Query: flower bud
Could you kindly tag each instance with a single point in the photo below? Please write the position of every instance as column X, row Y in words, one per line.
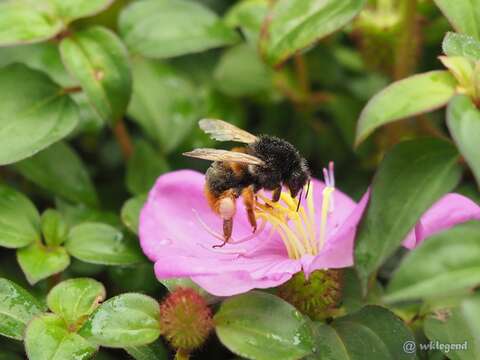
column 185, row 319
column 316, row 296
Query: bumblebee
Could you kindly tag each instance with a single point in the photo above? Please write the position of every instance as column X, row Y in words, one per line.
column 265, row 162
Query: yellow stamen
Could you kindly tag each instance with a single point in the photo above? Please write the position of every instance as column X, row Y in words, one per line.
column 290, row 237
column 309, row 217
column 297, row 229
column 327, row 192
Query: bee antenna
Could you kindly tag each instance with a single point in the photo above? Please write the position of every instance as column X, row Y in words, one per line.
column 299, row 199
column 308, row 189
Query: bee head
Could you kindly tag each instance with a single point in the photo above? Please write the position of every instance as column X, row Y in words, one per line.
column 298, row 178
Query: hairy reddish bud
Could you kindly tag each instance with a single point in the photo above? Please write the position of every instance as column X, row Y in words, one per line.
column 185, row 319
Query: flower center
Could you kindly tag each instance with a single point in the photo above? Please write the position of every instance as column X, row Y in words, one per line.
column 299, row 230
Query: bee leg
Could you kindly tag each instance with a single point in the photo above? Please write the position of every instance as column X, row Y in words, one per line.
column 227, row 232
column 249, row 201
column 276, row 194
column 226, row 207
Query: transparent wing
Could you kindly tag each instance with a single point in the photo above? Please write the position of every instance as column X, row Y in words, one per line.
column 224, row 155
column 222, row 131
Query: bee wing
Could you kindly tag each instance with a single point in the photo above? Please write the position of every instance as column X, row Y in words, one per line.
column 224, row 155
column 222, row 131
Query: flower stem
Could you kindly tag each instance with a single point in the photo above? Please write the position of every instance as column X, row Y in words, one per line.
column 302, row 74
column 72, row 89
column 405, row 59
column 54, row 280
column 123, row 139
column 302, row 95
column 408, row 42
column 66, row 32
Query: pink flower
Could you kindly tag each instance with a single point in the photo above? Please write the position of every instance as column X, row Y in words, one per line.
column 176, row 233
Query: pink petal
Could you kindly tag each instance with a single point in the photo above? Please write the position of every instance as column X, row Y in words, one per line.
column 236, row 283
column 411, row 241
column 258, row 266
column 343, row 207
column 338, row 250
column 171, row 236
column 450, row 210
column 168, row 225
column 225, row 278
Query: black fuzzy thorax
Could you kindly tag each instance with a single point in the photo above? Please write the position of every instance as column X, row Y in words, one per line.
column 279, row 155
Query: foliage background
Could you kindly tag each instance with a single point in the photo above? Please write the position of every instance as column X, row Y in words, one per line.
column 135, row 126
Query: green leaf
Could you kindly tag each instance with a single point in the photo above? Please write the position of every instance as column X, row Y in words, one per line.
column 47, row 338
column 90, row 119
column 98, row 60
column 330, row 345
column 19, row 219
column 413, row 175
column 453, row 330
column 463, row 120
column 30, row 21
column 294, row 25
column 249, row 16
column 99, row 243
column 445, row 263
column 137, row 278
column 470, row 309
column 22, row 22
column 144, row 167
column 54, row 227
column 352, row 295
column 80, row 268
column 412, row 96
column 39, row 262
column 126, row 320
column 74, row 299
column 43, row 113
column 241, row 72
column 153, row 351
column 10, row 355
column 44, row 57
column 17, row 308
column 461, row 45
column 261, row 326
column 131, row 212
column 372, row 333
column 464, row 15
column 163, row 103
column 165, row 28
column 463, row 71
column 69, row 10
column 60, row 161
column 75, row 214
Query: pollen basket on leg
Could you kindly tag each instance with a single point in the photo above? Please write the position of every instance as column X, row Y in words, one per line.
column 226, row 207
